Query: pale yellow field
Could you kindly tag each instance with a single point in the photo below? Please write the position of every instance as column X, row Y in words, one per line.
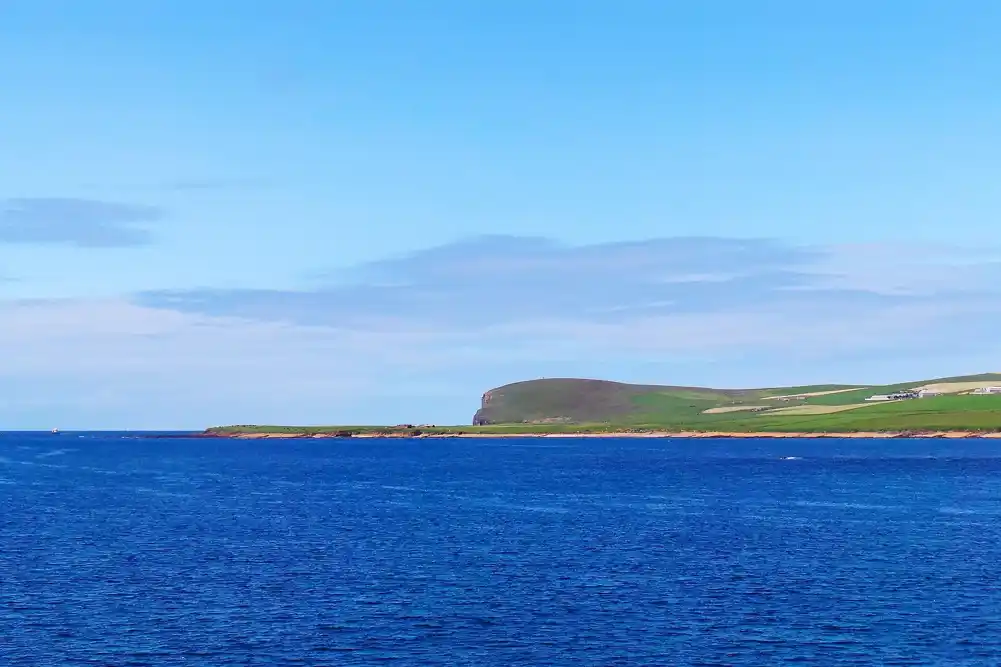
column 734, row 408
column 813, row 393
column 816, row 409
column 956, row 387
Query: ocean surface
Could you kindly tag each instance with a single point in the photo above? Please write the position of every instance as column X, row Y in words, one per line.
column 117, row 550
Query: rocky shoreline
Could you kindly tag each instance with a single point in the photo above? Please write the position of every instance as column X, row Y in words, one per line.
column 622, row 434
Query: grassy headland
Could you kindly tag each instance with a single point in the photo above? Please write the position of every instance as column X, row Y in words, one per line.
column 596, row 407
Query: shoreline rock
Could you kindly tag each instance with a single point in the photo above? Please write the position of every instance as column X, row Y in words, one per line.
column 620, row 434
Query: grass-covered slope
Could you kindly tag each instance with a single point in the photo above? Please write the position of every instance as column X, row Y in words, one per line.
column 564, row 400
column 815, row 408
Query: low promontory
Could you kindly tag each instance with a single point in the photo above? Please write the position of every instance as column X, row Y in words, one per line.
column 962, row 406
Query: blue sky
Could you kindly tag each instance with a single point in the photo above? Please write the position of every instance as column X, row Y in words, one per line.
column 374, row 210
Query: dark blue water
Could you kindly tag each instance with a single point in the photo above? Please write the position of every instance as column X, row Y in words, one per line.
column 117, row 551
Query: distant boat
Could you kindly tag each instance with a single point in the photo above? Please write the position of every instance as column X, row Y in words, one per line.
column 55, row 431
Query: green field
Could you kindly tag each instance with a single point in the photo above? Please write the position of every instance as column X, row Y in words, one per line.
column 573, row 406
column 943, row 413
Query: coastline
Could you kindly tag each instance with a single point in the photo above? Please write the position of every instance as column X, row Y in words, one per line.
column 620, row 434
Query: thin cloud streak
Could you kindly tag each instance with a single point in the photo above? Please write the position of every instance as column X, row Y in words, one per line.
column 84, row 223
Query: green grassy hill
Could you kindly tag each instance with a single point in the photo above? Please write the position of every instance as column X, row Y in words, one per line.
column 567, row 400
column 814, row 408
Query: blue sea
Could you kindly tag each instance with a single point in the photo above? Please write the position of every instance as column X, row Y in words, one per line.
column 119, row 550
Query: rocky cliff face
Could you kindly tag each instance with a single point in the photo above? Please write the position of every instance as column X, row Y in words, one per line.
column 482, row 417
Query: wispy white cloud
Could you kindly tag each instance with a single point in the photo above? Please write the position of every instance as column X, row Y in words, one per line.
column 501, row 280
column 662, row 299
column 907, row 269
column 496, row 280
column 85, row 223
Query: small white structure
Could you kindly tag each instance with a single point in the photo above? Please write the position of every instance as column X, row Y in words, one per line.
column 895, row 396
column 987, row 390
column 928, row 393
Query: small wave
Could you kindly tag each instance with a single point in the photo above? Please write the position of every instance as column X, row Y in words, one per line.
column 959, row 511
column 54, row 452
column 534, row 508
column 33, row 464
column 162, row 493
column 102, row 471
column 850, row 506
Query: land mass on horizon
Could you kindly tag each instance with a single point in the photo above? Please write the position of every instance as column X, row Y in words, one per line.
column 964, row 405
